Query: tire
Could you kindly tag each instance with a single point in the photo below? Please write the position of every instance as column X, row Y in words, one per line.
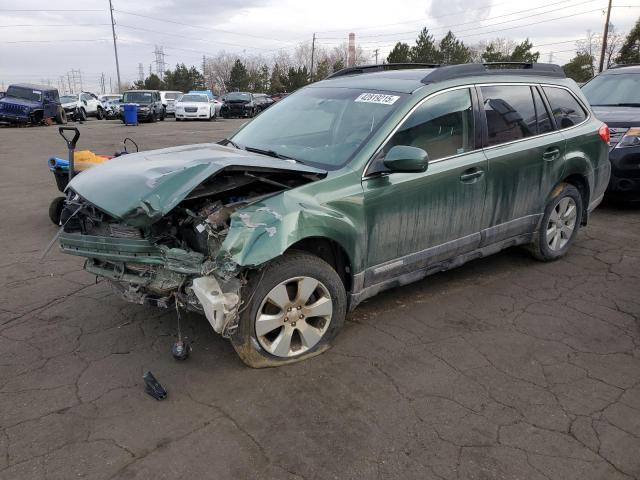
column 61, row 116
column 163, row 114
column 82, row 115
column 178, row 119
column 293, row 269
column 55, row 210
column 99, row 113
column 564, row 210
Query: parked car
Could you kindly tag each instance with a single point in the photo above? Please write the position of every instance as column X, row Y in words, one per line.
column 195, row 106
column 615, row 97
column 35, row 104
column 208, row 93
column 82, row 105
column 2, row 94
column 263, row 101
column 169, row 98
column 217, row 102
column 112, row 109
column 238, row 104
column 368, row 180
column 149, row 105
column 109, row 96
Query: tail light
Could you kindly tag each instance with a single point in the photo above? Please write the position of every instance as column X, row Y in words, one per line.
column 603, row 131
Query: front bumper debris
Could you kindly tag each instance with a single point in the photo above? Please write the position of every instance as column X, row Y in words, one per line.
column 221, row 309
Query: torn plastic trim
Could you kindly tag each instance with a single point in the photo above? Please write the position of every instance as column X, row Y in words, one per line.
column 220, row 308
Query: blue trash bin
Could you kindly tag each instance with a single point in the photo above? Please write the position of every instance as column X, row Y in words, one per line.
column 130, row 114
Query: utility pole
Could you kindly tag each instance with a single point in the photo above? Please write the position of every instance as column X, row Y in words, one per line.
column 115, row 46
column 140, row 73
column 604, row 37
column 550, row 57
column 375, row 52
column 313, row 54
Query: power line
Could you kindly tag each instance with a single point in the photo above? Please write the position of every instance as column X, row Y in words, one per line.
column 188, row 38
column 66, row 40
column 445, row 27
column 48, row 10
column 58, row 25
column 201, row 27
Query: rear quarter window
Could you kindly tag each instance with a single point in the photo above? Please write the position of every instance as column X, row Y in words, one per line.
column 566, row 110
column 510, row 113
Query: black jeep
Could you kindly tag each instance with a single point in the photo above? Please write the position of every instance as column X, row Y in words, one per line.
column 35, row 104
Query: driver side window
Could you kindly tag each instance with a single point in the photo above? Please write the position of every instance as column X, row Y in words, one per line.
column 442, row 126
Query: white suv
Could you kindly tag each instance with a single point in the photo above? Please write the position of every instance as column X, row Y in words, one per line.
column 169, row 98
column 82, row 105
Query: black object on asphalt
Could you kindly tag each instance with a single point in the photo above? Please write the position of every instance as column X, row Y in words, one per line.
column 153, row 388
column 181, row 350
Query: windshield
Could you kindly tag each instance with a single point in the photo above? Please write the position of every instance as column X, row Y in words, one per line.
column 613, row 89
column 24, row 93
column 137, row 97
column 318, row 125
column 106, row 98
column 194, row 98
column 68, row 98
column 171, row 95
column 237, row 96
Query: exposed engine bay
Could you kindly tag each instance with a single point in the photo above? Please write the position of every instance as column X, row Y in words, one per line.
column 177, row 258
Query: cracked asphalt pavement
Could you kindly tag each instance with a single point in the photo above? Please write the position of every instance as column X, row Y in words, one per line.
column 505, row 368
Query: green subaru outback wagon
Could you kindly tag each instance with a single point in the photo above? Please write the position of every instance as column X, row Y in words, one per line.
column 373, row 178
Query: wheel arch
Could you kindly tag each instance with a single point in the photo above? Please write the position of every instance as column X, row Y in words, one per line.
column 331, row 252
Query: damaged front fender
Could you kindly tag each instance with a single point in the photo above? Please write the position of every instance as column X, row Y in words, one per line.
column 265, row 230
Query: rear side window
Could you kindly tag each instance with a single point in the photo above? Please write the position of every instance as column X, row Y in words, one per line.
column 566, row 109
column 544, row 120
column 510, row 113
column 442, row 126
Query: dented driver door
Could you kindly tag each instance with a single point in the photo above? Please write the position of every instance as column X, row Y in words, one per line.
column 416, row 220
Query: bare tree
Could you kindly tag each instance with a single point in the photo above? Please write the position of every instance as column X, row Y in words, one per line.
column 590, row 46
column 219, row 71
column 615, row 40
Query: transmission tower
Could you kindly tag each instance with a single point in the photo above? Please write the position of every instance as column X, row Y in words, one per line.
column 140, row 73
column 159, row 61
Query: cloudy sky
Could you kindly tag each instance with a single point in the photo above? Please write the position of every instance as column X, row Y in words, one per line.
column 40, row 41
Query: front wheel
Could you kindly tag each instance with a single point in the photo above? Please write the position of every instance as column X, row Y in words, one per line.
column 99, row 113
column 61, row 116
column 163, row 115
column 295, row 307
column 559, row 225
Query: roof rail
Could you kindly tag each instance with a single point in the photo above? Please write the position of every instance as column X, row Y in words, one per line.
column 622, row 65
column 494, row 68
column 380, row 67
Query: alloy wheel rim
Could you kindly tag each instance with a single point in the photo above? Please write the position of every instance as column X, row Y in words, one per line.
column 561, row 224
column 293, row 317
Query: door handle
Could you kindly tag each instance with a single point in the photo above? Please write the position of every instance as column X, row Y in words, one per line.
column 471, row 175
column 551, row 154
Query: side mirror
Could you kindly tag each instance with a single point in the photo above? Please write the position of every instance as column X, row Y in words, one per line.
column 403, row 158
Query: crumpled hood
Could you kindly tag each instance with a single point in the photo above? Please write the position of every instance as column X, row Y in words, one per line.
column 618, row 116
column 150, row 184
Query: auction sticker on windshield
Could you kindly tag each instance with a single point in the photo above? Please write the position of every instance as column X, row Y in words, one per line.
column 377, row 98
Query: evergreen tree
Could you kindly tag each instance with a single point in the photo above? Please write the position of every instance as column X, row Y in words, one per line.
column 275, row 82
column 400, row 53
column 183, row 79
column 630, row 50
column 239, row 79
column 453, row 51
column 580, row 67
column 523, row 53
column 338, row 65
column 425, row 49
column 323, row 70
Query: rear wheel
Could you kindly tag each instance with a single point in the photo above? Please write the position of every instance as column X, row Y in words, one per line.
column 559, row 225
column 163, row 114
column 295, row 307
column 100, row 113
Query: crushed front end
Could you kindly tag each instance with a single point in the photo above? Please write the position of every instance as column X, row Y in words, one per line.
column 171, row 260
